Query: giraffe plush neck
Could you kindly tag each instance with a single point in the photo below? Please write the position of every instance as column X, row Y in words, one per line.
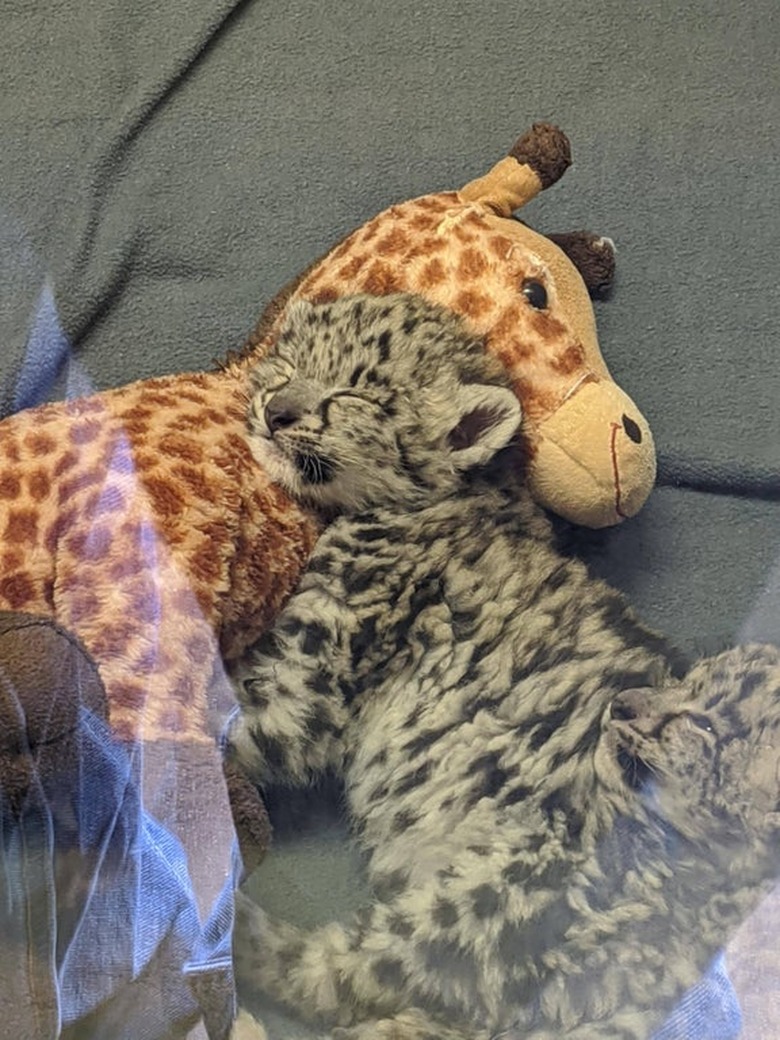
column 588, row 448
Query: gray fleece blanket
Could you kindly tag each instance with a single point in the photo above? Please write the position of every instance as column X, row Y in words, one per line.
column 165, row 168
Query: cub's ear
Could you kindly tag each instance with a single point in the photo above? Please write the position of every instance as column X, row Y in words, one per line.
column 488, row 417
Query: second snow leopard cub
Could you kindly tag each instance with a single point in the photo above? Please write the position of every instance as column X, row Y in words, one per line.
column 556, row 850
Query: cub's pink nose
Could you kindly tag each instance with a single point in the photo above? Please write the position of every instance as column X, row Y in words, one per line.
column 280, row 412
column 631, row 704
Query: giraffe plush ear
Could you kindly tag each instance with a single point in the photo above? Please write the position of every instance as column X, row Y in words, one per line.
column 488, row 418
column 538, row 159
column 592, row 255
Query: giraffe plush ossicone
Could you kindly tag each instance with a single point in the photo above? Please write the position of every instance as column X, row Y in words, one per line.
column 589, row 451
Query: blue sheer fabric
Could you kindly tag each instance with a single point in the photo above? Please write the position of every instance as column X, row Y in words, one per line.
column 94, row 892
column 709, row 1011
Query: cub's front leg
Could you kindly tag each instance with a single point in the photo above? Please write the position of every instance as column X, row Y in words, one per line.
column 292, row 705
column 245, row 1027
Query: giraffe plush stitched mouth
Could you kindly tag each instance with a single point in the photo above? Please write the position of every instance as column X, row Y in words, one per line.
column 589, row 450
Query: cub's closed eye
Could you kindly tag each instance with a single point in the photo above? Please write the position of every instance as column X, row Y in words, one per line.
column 272, row 375
column 352, row 397
column 345, row 403
column 535, row 293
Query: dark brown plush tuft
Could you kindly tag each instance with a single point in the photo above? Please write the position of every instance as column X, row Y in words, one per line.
column 592, row 255
column 546, row 150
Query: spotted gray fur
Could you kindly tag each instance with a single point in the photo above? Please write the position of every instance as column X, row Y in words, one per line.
column 559, row 833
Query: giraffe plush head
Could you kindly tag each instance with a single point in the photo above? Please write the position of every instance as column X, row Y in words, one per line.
column 588, row 449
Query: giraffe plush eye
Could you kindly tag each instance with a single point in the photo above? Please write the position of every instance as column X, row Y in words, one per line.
column 535, row 293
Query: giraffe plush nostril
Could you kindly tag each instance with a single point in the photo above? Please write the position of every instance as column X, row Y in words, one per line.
column 632, row 430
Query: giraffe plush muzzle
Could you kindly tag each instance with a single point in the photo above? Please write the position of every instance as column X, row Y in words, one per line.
column 599, row 442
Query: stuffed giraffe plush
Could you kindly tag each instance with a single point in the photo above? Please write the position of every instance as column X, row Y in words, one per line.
column 138, row 520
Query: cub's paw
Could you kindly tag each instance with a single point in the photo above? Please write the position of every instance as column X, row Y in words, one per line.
column 265, row 950
column 246, row 1027
column 382, row 1029
column 250, row 938
column 408, row 1025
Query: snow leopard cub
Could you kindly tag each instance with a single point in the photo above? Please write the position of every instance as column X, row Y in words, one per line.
column 559, row 834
